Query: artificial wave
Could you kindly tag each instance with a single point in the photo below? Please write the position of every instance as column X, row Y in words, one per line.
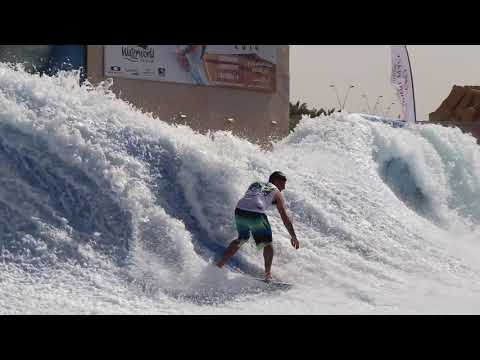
column 106, row 209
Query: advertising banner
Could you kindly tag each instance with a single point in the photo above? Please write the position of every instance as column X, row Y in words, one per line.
column 240, row 66
column 402, row 81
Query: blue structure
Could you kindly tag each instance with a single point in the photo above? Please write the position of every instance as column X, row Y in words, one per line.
column 396, row 123
column 67, row 57
column 46, row 59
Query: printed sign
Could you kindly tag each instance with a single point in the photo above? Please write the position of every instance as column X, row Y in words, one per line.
column 240, row 66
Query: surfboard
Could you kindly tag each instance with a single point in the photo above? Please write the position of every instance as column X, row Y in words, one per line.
column 277, row 284
column 272, row 284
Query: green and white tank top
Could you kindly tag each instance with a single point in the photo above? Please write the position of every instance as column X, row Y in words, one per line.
column 258, row 198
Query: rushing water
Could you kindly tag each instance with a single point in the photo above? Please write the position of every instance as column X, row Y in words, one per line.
column 104, row 209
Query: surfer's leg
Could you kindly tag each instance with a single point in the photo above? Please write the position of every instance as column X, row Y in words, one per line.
column 231, row 250
column 262, row 234
column 243, row 228
column 268, row 256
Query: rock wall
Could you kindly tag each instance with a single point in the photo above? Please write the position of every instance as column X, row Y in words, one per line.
column 461, row 108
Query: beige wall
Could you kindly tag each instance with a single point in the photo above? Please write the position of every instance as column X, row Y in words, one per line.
column 207, row 107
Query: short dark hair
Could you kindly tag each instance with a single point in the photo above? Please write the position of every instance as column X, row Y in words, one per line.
column 277, row 175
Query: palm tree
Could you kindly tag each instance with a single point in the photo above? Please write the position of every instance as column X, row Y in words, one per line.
column 298, row 109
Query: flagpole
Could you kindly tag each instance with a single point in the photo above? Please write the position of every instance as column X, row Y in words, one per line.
column 411, row 80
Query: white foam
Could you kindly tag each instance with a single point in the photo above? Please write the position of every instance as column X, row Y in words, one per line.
column 110, row 174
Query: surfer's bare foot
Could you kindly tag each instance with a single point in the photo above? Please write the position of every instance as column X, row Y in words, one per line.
column 268, row 277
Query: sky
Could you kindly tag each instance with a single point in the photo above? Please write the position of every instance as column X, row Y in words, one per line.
column 435, row 68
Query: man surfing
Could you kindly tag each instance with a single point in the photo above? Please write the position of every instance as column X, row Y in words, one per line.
column 250, row 218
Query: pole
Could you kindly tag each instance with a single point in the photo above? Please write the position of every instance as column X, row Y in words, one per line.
column 376, row 103
column 336, row 93
column 365, row 97
column 346, row 95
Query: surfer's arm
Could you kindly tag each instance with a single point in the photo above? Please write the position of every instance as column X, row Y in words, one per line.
column 279, row 201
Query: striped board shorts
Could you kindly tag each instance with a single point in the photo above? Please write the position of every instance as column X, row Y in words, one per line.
column 255, row 223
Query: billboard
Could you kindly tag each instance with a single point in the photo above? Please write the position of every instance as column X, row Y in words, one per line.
column 239, row 66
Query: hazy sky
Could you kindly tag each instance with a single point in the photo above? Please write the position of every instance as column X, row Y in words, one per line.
column 436, row 68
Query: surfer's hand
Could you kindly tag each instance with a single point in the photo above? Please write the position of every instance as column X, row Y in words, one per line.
column 295, row 243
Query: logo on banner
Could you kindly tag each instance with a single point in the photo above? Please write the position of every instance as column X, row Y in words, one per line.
column 132, row 71
column 115, row 68
column 148, row 72
column 139, row 53
column 246, row 47
column 400, row 79
column 161, row 71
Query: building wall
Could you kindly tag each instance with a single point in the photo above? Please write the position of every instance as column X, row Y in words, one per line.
column 257, row 116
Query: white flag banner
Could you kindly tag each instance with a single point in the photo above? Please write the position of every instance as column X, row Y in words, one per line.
column 402, row 80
